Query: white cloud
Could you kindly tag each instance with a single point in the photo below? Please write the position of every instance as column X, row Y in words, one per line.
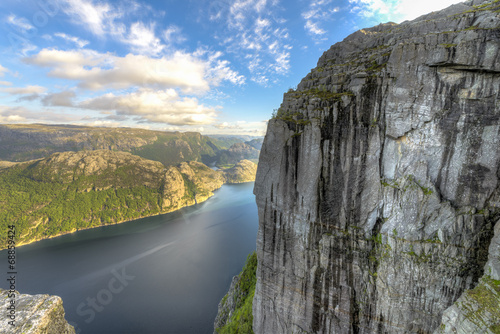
column 24, row 90
column 412, row 9
column 239, row 127
column 155, row 106
column 319, row 13
column 98, row 17
column 313, row 28
column 97, row 71
column 226, row 125
column 20, row 23
column 3, row 70
column 105, row 19
column 173, row 35
column 143, row 39
column 254, row 32
column 62, row 99
column 20, row 43
column 5, row 83
column 397, row 10
column 79, row 42
column 24, row 115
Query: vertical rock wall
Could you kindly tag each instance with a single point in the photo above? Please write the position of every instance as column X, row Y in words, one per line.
column 377, row 183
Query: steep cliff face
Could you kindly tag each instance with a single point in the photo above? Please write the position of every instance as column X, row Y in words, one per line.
column 377, row 183
column 34, row 314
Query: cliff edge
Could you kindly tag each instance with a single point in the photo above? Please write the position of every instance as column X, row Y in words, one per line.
column 378, row 183
column 34, row 314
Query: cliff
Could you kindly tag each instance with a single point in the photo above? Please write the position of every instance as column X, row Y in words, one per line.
column 38, row 314
column 377, row 184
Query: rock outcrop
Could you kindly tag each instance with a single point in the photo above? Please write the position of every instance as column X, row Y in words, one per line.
column 243, row 171
column 22, row 142
column 69, row 191
column 377, row 184
column 478, row 310
column 34, row 314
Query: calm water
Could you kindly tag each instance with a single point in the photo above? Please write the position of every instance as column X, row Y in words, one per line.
column 163, row 274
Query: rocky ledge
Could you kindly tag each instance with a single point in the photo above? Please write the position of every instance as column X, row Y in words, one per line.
column 34, row 314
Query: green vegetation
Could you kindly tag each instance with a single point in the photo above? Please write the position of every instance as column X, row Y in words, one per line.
column 374, row 66
column 190, row 187
column 243, row 171
column 174, row 148
column 447, row 45
column 223, row 142
column 44, row 208
column 24, row 142
column 493, row 6
column 241, row 319
column 409, row 182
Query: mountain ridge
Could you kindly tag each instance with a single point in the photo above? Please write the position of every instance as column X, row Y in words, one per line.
column 22, row 142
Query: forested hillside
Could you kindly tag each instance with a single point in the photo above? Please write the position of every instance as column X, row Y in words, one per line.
column 77, row 190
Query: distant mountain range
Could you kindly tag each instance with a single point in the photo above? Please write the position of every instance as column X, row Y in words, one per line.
column 23, row 142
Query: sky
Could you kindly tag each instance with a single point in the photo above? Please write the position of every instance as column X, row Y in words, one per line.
column 211, row 66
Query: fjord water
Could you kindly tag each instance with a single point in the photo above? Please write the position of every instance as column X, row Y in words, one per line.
column 161, row 274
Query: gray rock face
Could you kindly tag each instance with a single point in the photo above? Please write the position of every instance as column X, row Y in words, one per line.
column 35, row 314
column 377, row 183
column 227, row 305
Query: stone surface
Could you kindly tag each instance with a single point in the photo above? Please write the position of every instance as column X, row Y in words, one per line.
column 35, row 314
column 377, row 183
column 227, row 305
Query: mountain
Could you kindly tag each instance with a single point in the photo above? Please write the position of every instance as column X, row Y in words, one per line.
column 70, row 191
column 378, row 184
column 225, row 141
column 21, row 142
column 243, row 171
column 24, row 142
column 255, row 143
column 237, row 152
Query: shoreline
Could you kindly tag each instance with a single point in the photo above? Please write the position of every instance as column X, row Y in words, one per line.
column 196, row 201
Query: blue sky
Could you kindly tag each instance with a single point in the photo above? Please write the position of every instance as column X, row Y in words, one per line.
column 217, row 67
